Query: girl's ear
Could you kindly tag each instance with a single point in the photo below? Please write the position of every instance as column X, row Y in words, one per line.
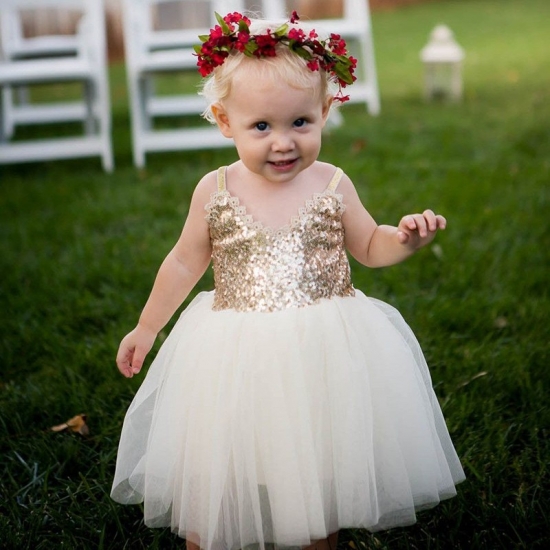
column 222, row 120
column 326, row 108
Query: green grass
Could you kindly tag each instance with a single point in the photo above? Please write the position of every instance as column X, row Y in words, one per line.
column 80, row 250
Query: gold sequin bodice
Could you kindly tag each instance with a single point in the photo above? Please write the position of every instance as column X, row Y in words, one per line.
column 259, row 269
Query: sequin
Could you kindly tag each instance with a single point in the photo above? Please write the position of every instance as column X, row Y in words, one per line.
column 259, row 269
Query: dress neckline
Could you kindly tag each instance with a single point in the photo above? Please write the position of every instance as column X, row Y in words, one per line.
column 294, row 221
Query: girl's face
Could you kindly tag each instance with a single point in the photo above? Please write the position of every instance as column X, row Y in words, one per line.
column 276, row 128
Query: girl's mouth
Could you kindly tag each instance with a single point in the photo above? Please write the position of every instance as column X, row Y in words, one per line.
column 281, row 164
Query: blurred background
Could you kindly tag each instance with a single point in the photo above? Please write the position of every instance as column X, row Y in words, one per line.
column 82, row 238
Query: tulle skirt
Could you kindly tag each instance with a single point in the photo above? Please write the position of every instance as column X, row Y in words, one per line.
column 284, row 427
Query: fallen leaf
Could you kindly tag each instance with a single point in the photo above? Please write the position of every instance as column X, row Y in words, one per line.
column 75, row 424
column 358, row 145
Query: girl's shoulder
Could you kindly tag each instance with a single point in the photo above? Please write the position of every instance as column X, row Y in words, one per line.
column 322, row 170
column 202, row 194
column 206, row 187
column 325, row 172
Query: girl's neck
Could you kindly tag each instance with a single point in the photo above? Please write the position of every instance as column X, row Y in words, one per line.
column 275, row 204
column 240, row 176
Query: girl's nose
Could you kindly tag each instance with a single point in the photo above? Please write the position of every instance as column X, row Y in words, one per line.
column 282, row 142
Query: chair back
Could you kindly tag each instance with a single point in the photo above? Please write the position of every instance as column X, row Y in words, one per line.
column 89, row 35
column 54, row 58
column 159, row 36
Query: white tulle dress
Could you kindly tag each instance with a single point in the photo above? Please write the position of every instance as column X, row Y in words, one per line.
column 285, row 404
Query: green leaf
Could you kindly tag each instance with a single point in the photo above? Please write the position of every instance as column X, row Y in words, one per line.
column 302, row 52
column 343, row 59
column 223, row 24
column 282, row 30
column 343, row 73
column 243, row 27
column 250, row 48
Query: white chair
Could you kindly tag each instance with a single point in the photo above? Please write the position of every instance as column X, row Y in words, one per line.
column 18, row 47
column 55, row 59
column 356, row 28
column 151, row 51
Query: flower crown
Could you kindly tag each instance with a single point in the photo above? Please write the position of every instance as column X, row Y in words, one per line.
column 233, row 33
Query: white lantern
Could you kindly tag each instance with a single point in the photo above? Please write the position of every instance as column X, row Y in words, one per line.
column 442, row 58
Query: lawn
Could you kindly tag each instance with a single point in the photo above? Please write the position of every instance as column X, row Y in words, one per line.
column 80, row 249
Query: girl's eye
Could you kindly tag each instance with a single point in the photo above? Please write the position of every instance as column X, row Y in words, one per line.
column 300, row 122
column 261, row 126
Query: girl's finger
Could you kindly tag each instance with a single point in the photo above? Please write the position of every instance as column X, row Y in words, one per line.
column 421, row 224
column 402, row 237
column 409, row 222
column 431, row 219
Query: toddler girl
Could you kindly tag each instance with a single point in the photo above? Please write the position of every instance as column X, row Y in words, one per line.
column 285, row 404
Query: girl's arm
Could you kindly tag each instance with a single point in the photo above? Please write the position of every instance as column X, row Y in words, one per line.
column 376, row 245
column 180, row 271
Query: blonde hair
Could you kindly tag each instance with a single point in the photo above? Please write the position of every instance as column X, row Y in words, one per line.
column 286, row 66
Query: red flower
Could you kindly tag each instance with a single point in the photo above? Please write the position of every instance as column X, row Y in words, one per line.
column 233, row 33
column 266, row 45
column 218, row 58
column 328, row 66
column 205, row 68
column 296, row 34
column 242, row 40
column 236, row 17
column 341, row 98
column 317, row 48
column 216, row 33
column 313, row 65
column 337, row 45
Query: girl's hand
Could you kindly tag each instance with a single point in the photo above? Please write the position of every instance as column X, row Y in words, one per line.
column 418, row 230
column 133, row 350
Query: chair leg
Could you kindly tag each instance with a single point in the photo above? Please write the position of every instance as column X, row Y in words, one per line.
column 140, row 121
column 23, row 95
column 7, row 124
column 90, row 95
column 104, row 124
column 147, row 91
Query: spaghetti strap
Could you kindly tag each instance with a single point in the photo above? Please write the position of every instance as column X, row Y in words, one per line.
column 221, row 178
column 333, row 184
